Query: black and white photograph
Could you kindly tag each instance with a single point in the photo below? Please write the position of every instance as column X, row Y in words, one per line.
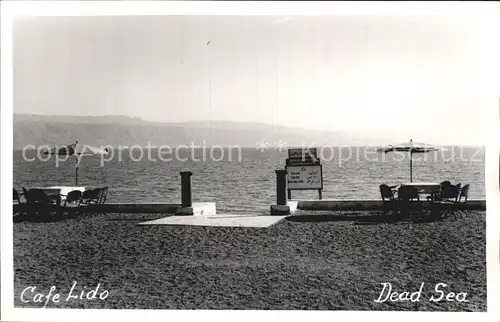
column 246, row 161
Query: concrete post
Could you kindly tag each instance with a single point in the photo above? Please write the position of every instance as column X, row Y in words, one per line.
column 281, row 208
column 281, row 187
column 186, row 189
column 186, row 197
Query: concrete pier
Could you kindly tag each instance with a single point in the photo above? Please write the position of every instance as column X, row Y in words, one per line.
column 209, row 208
column 198, row 208
column 369, row 204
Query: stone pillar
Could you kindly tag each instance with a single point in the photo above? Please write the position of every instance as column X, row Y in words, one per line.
column 187, row 200
column 281, row 187
column 281, row 207
column 186, row 196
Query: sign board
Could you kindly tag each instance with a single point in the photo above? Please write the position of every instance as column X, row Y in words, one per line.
column 305, row 177
column 305, row 171
column 303, row 154
column 308, row 161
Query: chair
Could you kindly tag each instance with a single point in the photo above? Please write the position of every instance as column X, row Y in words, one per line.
column 448, row 192
column 73, row 201
column 34, row 196
column 452, row 193
column 459, row 203
column 408, row 193
column 96, row 196
column 448, row 197
column 40, row 204
column 464, row 192
column 446, row 183
column 103, row 195
column 408, row 198
column 91, row 196
column 388, row 198
column 86, row 196
column 25, row 194
column 16, row 197
column 73, row 198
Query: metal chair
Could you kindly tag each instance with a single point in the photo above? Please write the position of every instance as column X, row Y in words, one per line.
column 16, row 196
column 462, row 200
column 103, row 194
column 73, row 197
column 408, row 193
column 73, row 202
column 389, row 201
column 448, row 198
column 91, row 196
column 464, row 193
column 41, row 205
column 16, row 199
column 408, row 199
column 450, row 193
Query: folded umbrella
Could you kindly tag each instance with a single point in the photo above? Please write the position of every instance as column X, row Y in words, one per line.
column 77, row 150
column 62, row 150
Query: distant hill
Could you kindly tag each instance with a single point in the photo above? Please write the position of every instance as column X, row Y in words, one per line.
column 106, row 119
column 117, row 130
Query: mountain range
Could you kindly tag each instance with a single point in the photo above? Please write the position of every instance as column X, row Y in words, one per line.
column 118, row 130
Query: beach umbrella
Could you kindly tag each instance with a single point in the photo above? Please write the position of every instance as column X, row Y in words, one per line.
column 77, row 150
column 410, row 147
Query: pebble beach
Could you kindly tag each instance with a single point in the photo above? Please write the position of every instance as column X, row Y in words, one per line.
column 309, row 261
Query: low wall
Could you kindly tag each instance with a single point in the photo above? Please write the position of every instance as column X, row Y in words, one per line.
column 208, row 208
column 348, row 205
column 135, row 208
column 199, row 208
column 122, row 208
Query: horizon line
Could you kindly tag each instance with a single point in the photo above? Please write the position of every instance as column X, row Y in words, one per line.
column 254, row 146
column 292, row 127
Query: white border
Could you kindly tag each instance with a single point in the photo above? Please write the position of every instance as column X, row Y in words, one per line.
column 6, row 166
column 491, row 90
column 486, row 11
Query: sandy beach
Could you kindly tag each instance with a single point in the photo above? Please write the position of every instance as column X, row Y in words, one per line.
column 313, row 260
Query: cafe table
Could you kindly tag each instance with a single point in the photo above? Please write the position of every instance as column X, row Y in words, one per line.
column 424, row 187
column 60, row 190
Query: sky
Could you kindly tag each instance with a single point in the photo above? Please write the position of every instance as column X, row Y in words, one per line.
column 385, row 76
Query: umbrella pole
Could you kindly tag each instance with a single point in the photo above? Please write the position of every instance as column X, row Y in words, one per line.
column 76, row 172
column 411, row 174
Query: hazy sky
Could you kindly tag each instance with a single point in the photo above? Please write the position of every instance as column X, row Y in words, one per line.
column 387, row 76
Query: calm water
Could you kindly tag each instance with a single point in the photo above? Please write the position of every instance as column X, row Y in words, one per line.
column 249, row 184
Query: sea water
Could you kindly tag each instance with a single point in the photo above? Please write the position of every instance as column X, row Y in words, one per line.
column 243, row 180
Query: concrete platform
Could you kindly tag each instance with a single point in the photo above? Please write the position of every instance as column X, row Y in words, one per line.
column 153, row 207
column 367, row 204
column 198, row 208
column 227, row 220
column 204, row 208
column 284, row 210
